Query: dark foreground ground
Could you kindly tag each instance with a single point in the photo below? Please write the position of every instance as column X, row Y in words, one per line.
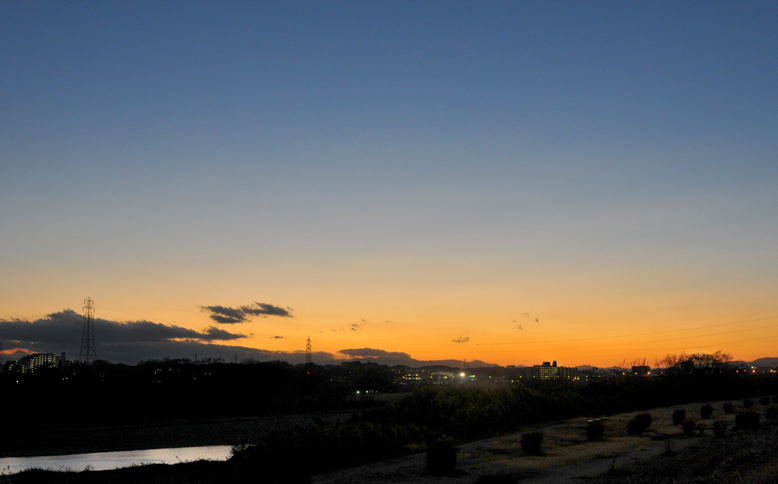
column 741, row 456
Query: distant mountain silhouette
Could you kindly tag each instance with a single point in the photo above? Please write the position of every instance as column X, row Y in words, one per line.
column 426, row 364
column 768, row 362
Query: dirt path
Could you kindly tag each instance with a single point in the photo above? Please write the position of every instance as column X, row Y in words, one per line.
column 567, row 456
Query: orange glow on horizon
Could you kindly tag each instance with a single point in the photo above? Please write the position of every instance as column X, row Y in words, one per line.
column 484, row 323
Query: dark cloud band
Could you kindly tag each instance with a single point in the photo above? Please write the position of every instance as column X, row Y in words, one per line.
column 228, row 315
column 60, row 332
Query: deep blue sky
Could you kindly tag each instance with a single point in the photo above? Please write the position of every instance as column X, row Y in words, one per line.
column 440, row 164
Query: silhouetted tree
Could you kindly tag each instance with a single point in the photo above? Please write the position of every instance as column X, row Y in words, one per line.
column 696, row 364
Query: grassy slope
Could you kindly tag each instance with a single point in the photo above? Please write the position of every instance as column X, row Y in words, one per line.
column 744, row 457
column 740, row 453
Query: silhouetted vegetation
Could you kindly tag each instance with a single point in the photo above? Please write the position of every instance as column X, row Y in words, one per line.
column 747, row 420
column 180, row 389
column 532, row 442
column 765, row 401
column 706, row 411
column 697, row 364
column 748, row 404
column 689, row 426
column 595, row 431
column 327, row 447
column 719, row 428
column 679, row 416
column 728, row 408
column 639, row 424
column 159, row 391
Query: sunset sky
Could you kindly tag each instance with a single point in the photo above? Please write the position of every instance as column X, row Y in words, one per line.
column 513, row 182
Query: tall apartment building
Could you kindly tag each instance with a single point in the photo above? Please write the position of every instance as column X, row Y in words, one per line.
column 550, row 371
column 34, row 362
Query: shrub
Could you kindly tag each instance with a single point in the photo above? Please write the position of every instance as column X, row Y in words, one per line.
column 688, row 426
column 325, row 448
column 748, row 404
column 679, row 416
column 645, row 418
column 441, row 458
column 706, row 411
column 771, row 413
column 595, row 431
column 700, row 428
column 639, row 424
column 765, row 401
column 747, row 419
column 728, row 408
column 719, row 427
column 531, row 442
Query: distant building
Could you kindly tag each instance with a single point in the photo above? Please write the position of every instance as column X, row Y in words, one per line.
column 546, row 371
column 567, row 373
column 36, row 361
column 641, row 370
column 413, row 376
column 442, row 377
column 518, row 373
column 589, row 375
column 550, row 371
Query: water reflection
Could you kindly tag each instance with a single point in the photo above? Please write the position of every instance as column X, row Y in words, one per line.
column 114, row 460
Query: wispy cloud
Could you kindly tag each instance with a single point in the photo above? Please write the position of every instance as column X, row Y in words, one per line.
column 230, row 315
column 350, row 327
column 522, row 319
column 461, row 339
column 264, row 309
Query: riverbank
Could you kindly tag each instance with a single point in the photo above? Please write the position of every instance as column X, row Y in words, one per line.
column 102, row 461
column 194, row 472
column 227, row 431
column 567, row 456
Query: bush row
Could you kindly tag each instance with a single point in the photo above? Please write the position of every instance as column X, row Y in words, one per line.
column 321, row 448
column 429, row 413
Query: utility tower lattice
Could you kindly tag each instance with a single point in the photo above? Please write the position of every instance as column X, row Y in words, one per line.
column 88, row 353
column 308, row 358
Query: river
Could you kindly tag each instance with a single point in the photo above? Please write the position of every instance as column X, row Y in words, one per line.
column 114, row 460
